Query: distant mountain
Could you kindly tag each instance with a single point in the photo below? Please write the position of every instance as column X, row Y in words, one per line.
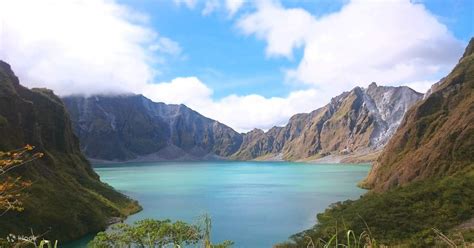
column 353, row 125
column 436, row 137
column 66, row 199
column 132, row 127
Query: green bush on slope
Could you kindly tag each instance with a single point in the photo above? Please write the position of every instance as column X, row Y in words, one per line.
column 150, row 233
column 405, row 215
column 66, row 199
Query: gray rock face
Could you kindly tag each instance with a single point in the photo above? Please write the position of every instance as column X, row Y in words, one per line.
column 436, row 137
column 388, row 105
column 360, row 121
column 132, row 127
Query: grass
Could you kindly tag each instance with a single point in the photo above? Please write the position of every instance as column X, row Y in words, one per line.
column 402, row 216
column 365, row 239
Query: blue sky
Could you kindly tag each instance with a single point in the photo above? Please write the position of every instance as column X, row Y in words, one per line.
column 248, row 64
column 228, row 61
column 233, row 63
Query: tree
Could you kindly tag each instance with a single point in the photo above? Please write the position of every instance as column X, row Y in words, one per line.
column 10, row 191
column 150, row 233
column 11, row 187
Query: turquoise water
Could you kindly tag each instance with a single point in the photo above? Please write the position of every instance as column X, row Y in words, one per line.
column 255, row 204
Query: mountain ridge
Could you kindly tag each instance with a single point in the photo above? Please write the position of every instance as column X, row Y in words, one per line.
column 422, row 184
column 73, row 200
column 437, row 133
column 313, row 135
column 134, row 128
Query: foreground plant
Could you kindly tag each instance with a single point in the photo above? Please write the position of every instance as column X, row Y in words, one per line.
column 350, row 239
column 149, row 233
column 11, row 187
column 10, row 194
column 341, row 238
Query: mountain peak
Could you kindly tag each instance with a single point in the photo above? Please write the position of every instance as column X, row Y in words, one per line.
column 356, row 122
column 5, row 65
column 373, row 85
column 136, row 128
column 469, row 49
column 435, row 138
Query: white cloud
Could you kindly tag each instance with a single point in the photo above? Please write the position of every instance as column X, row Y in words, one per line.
column 210, row 6
column 243, row 113
column 80, row 46
column 396, row 42
column 90, row 47
column 421, row 86
column 51, row 44
column 283, row 29
column 233, row 6
column 187, row 90
column 166, row 45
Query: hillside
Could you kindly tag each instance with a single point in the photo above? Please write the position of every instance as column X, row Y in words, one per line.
column 423, row 179
column 66, row 198
column 358, row 122
column 436, row 138
column 132, row 127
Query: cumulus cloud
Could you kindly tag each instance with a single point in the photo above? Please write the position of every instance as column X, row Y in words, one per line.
column 243, row 113
column 394, row 42
column 96, row 47
column 210, row 6
column 89, row 47
column 283, row 29
column 233, row 6
column 79, row 46
column 166, row 45
column 421, row 86
column 187, row 90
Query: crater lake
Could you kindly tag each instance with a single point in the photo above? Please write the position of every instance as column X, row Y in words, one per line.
column 254, row 204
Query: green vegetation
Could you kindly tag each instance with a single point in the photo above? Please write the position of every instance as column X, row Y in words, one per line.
column 349, row 240
column 435, row 138
column 402, row 216
column 10, row 193
column 66, row 199
column 11, row 187
column 423, row 182
column 149, row 233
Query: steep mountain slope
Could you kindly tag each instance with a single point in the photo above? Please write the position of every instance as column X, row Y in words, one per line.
column 357, row 122
column 423, row 179
column 66, row 197
column 436, row 138
column 132, row 127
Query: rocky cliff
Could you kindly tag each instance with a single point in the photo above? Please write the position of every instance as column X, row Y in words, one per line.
column 424, row 178
column 132, row 127
column 358, row 122
column 436, row 137
column 66, row 199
